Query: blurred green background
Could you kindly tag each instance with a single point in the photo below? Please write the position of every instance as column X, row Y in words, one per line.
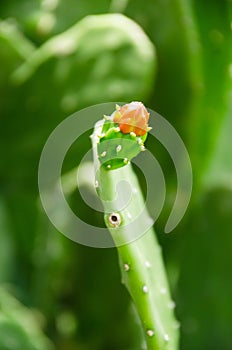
column 175, row 56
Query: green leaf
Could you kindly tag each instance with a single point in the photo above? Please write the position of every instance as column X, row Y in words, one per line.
column 19, row 327
column 95, row 58
column 219, row 173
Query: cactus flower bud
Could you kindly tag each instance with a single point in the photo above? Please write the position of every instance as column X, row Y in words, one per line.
column 132, row 117
column 125, row 132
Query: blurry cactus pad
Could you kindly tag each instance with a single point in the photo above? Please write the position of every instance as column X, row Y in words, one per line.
column 123, row 135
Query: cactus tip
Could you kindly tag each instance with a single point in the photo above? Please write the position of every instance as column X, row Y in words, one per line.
column 132, row 117
column 128, row 122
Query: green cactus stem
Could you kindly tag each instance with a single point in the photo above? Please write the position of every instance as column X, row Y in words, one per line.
column 128, row 221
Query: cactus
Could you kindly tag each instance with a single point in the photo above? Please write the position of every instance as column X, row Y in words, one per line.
column 126, row 129
column 116, row 140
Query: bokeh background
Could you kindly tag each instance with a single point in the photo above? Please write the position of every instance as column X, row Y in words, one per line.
column 175, row 56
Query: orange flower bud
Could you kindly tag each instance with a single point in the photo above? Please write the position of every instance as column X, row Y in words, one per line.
column 132, row 117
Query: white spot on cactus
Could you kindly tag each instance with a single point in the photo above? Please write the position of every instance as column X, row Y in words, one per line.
column 143, row 148
column 117, row 129
column 140, row 142
column 134, row 190
column 163, row 290
column 103, row 154
column 145, row 289
column 114, row 219
column 171, row 304
column 118, row 148
column 125, row 161
column 150, row 333
column 166, row 337
column 96, row 184
column 126, row 267
column 148, row 264
column 132, row 134
column 108, row 166
column 129, row 215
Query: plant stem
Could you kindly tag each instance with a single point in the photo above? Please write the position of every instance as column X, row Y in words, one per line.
column 140, row 260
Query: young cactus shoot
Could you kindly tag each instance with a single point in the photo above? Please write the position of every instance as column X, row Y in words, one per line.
column 127, row 131
column 117, row 139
